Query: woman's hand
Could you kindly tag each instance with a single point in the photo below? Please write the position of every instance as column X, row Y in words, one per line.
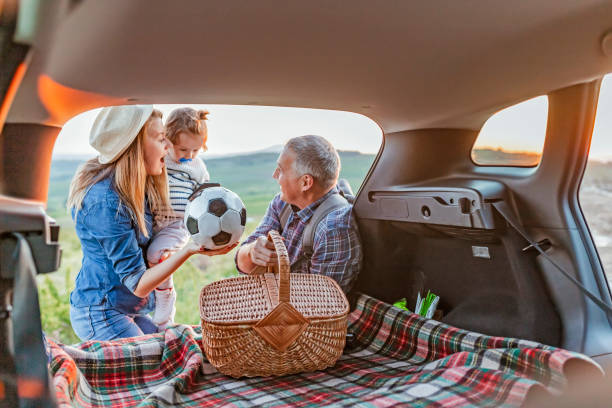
column 192, row 248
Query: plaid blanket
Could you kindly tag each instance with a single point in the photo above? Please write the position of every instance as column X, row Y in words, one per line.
column 396, row 358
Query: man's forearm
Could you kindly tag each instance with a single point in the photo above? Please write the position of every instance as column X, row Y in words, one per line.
column 243, row 259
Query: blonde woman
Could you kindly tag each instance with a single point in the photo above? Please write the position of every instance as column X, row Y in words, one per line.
column 113, row 199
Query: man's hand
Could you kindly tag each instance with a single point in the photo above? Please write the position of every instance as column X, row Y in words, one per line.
column 262, row 252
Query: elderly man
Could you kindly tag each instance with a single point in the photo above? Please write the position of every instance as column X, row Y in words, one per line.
column 307, row 173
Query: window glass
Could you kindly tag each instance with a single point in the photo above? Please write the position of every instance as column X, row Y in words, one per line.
column 596, row 188
column 513, row 136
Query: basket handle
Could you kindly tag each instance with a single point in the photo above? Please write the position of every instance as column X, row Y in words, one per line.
column 283, row 267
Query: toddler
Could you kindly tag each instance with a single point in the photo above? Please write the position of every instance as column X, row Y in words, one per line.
column 187, row 132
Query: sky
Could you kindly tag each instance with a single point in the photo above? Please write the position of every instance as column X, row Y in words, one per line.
column 236, row 129
column 522, row 127
column 601, row 144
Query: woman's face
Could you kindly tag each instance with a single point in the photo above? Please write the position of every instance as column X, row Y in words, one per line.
column 155, row 147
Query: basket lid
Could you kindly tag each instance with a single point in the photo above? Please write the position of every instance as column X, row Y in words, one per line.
column 251, row 298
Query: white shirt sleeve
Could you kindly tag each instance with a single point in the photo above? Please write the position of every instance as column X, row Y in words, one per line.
column 204, row 172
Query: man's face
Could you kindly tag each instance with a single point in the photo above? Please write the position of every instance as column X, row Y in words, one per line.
column 287, row 178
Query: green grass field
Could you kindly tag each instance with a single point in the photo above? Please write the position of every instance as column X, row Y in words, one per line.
column 250, row 176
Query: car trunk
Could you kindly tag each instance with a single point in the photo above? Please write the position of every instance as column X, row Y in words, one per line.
column 485, row 281
column 430, row 220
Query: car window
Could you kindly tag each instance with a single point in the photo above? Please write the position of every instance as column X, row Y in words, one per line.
column 513, row 136
column 243, row 146
column 596, row 188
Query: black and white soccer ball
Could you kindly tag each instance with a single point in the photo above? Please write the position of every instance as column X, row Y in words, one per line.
column 216, row 218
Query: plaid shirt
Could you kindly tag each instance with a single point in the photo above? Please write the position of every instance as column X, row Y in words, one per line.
column 336, row 246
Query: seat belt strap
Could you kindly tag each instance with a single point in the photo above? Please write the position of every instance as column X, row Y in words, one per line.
column 332, row 202
column 508, row 214
column 284, row 217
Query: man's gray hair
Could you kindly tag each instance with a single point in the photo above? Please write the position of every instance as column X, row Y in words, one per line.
column 314, row 155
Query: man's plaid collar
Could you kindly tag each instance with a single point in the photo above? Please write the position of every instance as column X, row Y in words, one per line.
column 305, row 213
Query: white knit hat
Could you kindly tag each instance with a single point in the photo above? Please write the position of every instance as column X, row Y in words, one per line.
column 115, row 128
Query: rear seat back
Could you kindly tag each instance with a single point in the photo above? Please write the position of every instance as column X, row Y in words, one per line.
column 447, row 237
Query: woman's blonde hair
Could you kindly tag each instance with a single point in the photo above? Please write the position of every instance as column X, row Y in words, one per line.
column 130, row 179
column 186, row 120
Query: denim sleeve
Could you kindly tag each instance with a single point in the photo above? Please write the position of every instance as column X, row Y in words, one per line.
column 112, row 227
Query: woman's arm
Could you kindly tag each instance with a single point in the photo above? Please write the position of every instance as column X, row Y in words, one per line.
column 110, row 224
column 155, row 275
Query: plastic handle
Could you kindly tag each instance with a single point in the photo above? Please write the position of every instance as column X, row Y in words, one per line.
column 283, row 267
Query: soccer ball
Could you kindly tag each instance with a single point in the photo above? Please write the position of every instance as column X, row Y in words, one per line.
column 216, row 218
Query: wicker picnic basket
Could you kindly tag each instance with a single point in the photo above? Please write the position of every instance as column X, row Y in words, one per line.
column 273, row 323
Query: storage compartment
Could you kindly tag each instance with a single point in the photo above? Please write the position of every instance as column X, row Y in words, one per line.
column 462, row 251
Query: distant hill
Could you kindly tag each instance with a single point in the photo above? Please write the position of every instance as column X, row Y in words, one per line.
column 270, row 149
column 502, row 157
column 249, row 175
column 598, row 173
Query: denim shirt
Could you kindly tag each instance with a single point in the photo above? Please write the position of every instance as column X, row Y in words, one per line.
column 113, row 258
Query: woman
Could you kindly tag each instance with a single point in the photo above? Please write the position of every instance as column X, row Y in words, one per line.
column 113, row 199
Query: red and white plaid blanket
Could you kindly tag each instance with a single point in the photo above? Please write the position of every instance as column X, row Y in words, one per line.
column 397, row 358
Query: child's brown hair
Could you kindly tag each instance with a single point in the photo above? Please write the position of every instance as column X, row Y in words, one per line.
column 187, row 120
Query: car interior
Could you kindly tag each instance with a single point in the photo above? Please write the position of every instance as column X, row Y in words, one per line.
column 506, row 248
